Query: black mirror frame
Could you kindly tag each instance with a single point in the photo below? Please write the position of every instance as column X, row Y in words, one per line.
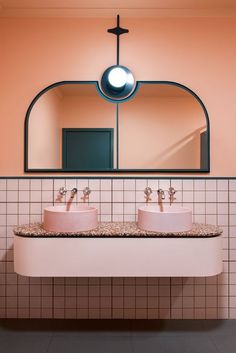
column 117, row 170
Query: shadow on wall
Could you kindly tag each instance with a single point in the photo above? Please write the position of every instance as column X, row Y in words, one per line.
column 185, row 152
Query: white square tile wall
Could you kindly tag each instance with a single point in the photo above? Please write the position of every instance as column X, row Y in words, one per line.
column 212, row 200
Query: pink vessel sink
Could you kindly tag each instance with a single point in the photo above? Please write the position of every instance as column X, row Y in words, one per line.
column 172, row 219
column 78, row 218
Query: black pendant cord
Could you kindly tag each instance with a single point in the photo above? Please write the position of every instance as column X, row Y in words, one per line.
column 118, row 31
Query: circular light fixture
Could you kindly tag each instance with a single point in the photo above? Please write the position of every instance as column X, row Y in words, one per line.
column 117, row 82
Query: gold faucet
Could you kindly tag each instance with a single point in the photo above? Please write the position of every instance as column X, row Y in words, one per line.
column 171, row 193
column 161, row 197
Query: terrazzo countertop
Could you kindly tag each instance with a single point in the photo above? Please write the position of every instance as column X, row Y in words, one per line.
column 118, row 229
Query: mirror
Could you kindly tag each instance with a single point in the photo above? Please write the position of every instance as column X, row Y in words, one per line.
column 162, row 127
column 71, row 128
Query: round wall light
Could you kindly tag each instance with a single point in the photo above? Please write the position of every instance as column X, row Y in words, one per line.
column 117, row 82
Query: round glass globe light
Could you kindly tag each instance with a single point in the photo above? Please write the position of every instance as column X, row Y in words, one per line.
column 117, row 77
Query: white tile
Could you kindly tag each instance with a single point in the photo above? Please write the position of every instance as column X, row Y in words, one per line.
column 118, row 184
column 3, row 184
column 232, row 208
column 105, row 218
column 94, row 184
column 187, row 184
column 24, row 196
column 232, row 196
column 211, row 219
column 47, row 196
column 35, row 184
column 222, row 208
column 3, row 220
column 94, row 196
column 47, row 184
column 232, row 184
column 117, row 218
column 12, row 220
column 210, row 185
column 3, row 196
column 12, row 184
column 141, row 184
column 82, row 183
column 129, row 184
column 222, row 196
column 199, row 196
column 210, row 196
column 187, row 196
column 105, row 208
column 232, row 220
column 199, row 219
column 12, row 208
column 35, row 196
column 106, row 196
column 153, row 184
column 117, row 196
column 199, row 184
column 222, row 184
column 70, row 184
column 177, row 184
column 164, row 184
column 211, row 208
column 223, row 220
column 129, row 218
column 200, row 208
column 105, row 184
column 3, row 208
column 35, row 218
column 129, row 208
column 178, row 196
column 232, row 231
column 129, row 196
column 189, row 205
column 12, row 196
column 58, row 183
column 35, row 208
column 140, row 197
column 118, row 208
column 24, row 184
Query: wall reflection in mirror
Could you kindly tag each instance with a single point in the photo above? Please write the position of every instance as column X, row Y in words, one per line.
column 71, row 127
column 163, row 127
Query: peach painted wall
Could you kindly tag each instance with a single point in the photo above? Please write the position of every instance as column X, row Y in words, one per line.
column 197, row 52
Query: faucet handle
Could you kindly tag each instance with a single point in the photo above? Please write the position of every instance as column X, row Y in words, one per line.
column 147, row 193
column 86, row 193
column 161, row 193
column 171, row 190
column 62, row 191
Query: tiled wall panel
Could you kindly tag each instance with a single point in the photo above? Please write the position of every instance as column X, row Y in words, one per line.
column 212, row 201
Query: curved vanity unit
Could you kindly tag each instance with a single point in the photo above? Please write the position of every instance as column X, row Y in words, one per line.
column 118, row 250
column 72, row 219
column 167, row 219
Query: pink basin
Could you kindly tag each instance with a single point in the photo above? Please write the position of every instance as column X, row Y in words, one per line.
column 78, row 218
column 172, row 219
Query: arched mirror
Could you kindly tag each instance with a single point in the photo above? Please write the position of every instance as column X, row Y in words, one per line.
column 161, row 127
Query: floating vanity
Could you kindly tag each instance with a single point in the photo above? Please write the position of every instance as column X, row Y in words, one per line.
column 118, row 250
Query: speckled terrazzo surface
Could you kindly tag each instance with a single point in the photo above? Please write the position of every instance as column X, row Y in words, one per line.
column 118, row 229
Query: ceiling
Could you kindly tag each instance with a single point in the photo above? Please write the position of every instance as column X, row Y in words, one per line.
column 127, row 8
